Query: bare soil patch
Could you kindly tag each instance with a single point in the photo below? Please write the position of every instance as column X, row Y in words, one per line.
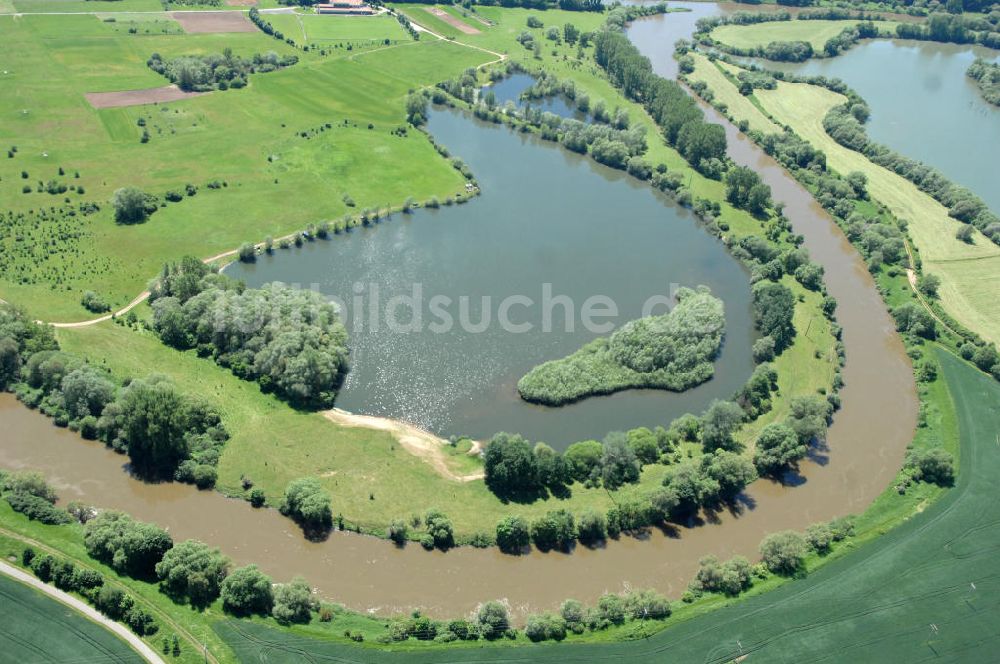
column 194, row 22
column 241, row 3
column 452, row 21
column 137, row 97
column 418, row 442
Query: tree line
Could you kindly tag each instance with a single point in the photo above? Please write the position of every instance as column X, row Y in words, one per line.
column 683, row 125
column 987, row 77
column 290, row 341
column 166, row 434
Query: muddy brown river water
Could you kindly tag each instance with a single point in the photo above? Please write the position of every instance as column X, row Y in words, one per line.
column 864, row 449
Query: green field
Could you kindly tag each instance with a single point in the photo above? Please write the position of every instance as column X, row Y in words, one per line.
column 249, row 138
column 970, row 273
column 817, row 33
column 739, row 105
column 63, row 6
column 37, row 628
column 875, row 604
column 326, row 30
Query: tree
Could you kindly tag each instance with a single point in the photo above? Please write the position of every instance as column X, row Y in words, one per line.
column 10, row 361
column 929, row 284
column 439, row 528
column 510, row 467
column 618, row 462
column 193, row 570
column 592, row 527
column 151, row 418
column 819, row 537
column 731, row 577
column 555, row 529
column 571, row 33
column 398, row 531
column 773, row 309
column 247, row 591
column 493, row 620
column 644, row 444
column 777, row 447
column 574, row 613
column 309, row 504
column 731, row 470
column 739, row 181
column 784, row 552
column 513, row 534
column 543, row 627
column 294, row 602
column 131, row 547
column 86, row 391
column 808, row 418
column 718, row 425
column 699, row 142
column 934, row 465
column 583, row 458
column 416, row 109
column 691, row 487
column 647, row 605
column 552, row 469
column 132, row 205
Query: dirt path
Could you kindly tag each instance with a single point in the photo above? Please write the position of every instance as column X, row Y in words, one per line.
column 92, row 614
column 911, row 277
column 418, row 442
column 152, row 608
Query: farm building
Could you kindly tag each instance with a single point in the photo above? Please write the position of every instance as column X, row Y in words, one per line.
column 344, row 7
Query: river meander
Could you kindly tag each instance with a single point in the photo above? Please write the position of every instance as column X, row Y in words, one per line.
column 864, row 448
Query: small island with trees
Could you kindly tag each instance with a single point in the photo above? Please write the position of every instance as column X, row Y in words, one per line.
column 672, row 351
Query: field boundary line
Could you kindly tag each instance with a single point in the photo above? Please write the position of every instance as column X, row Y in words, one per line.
column 181, row 631
column 84, row 609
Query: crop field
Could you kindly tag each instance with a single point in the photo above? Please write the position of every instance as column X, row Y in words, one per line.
column 36, row 628
column 855, row 607
column 969, row 273
column 817, row 33
column 300, row 134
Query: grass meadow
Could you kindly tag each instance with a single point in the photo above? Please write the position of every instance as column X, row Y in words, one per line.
column 817, row 32
column 277, row 181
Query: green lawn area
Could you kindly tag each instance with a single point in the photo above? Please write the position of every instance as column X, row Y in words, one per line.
column 63, row 6
column 875, row 603
column 142, row 24
column 817, row 33
column 321, row 28
column 37, row 628
column 250, row 139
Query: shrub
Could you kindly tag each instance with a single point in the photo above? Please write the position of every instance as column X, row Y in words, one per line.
column 493, row 619
column 294, row 602
column 247, row 591
column 309, row 504
column 513, row 534
column 544, row 627
column 784, row 552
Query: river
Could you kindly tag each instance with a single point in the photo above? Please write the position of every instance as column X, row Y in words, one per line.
column 864, row 450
